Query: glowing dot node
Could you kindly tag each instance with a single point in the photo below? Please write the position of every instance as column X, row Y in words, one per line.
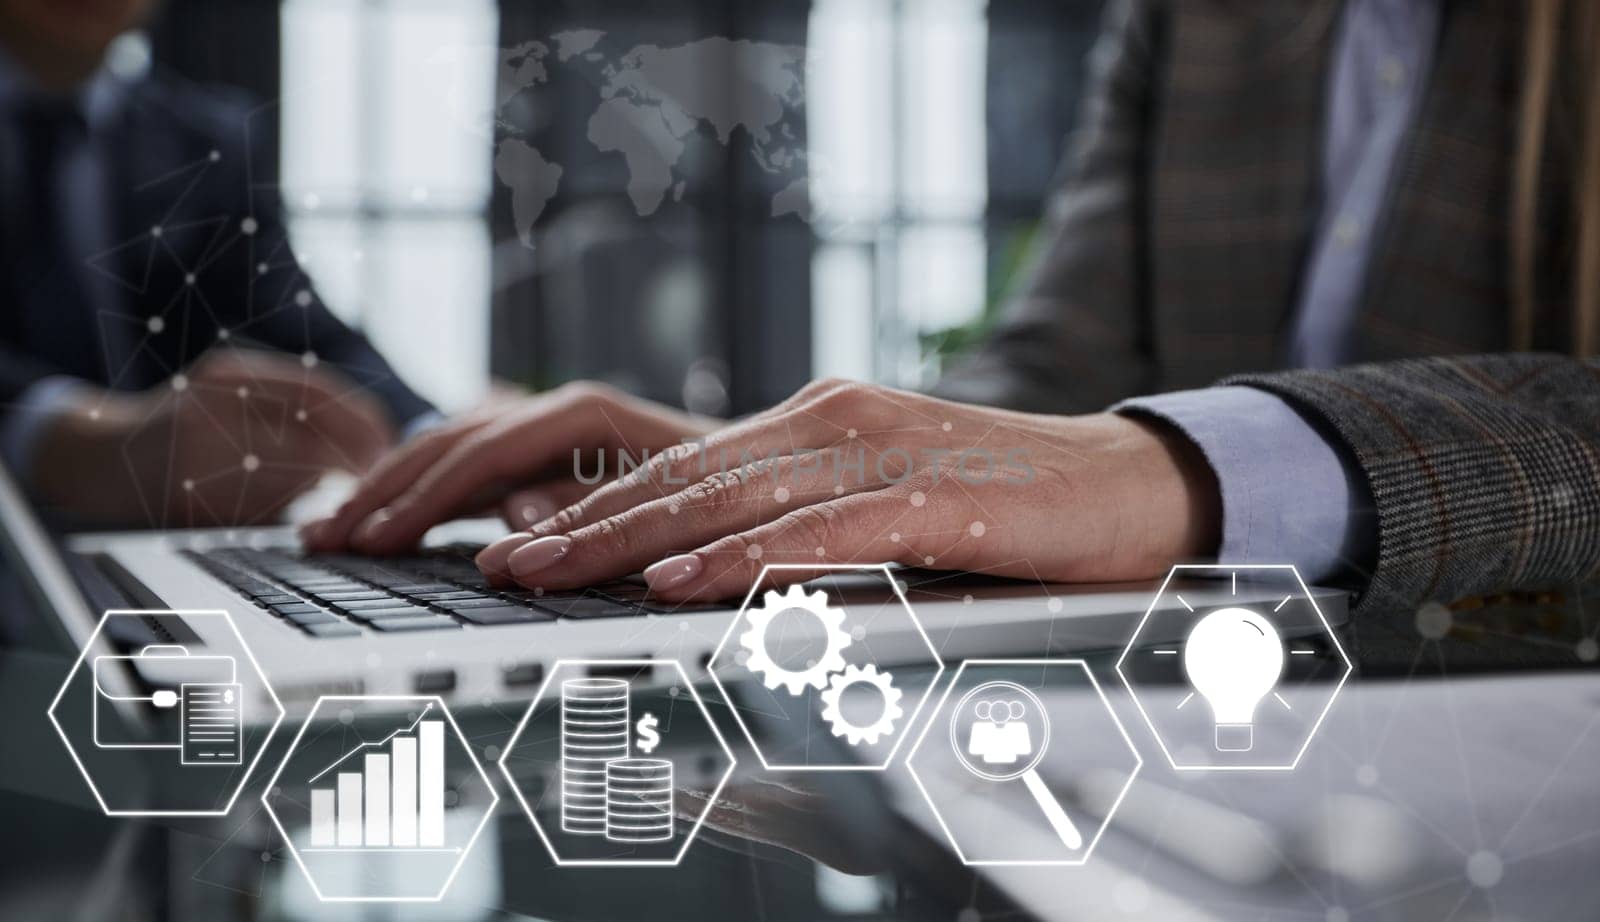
column 1434, row 620
column 1131, row 895
column 977, row 529
column 1484, row 869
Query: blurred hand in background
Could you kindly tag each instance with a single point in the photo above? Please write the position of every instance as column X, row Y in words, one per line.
column 515, row 458
column 231, row 441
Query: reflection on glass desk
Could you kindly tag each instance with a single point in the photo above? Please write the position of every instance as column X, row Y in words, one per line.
column 1461, row 796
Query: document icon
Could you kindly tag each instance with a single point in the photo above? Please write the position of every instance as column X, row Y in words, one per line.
column 203, row 689
column 211, row 723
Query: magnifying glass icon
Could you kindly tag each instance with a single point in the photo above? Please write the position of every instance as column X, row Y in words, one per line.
column 987, row 749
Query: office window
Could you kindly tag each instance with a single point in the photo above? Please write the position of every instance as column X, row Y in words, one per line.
column 932, row 127
column 386, row 175
column 896, row 114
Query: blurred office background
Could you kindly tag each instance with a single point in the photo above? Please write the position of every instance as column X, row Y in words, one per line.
column 941, row 124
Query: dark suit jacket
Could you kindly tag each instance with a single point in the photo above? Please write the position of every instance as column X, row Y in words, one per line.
column 1179, row 237
column 163, row 175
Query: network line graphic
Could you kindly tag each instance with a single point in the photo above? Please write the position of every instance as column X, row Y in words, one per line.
column 214, row 273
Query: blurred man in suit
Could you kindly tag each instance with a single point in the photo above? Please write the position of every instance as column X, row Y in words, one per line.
column 163, row 358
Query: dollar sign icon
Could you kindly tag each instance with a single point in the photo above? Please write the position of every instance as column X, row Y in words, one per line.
column 649, row 739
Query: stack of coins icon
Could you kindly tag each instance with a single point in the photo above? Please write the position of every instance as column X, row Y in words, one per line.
column 594, row 731
column 639, row 800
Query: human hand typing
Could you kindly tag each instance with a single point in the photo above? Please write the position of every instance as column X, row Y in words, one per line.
column 512, row 456
column 940, row 484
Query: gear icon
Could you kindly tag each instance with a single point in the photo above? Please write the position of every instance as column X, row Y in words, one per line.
column 754, row 640
column 857, row 675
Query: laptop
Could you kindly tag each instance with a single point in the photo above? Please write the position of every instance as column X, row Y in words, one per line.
column 429, row 623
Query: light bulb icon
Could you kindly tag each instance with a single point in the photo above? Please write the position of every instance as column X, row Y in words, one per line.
column 1233, row 658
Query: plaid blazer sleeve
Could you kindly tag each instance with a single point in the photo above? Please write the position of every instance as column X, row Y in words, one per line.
column 1074, row 338
column 1484, row 470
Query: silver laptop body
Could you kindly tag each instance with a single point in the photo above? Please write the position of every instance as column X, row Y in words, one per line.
column 480, row 664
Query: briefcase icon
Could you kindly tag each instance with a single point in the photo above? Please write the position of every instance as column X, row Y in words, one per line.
column 166, row 668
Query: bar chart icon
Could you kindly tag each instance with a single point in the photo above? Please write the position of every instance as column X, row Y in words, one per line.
column 380, row 798
column 384, row 796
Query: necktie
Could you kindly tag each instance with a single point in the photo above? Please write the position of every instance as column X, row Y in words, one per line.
column 57, row 320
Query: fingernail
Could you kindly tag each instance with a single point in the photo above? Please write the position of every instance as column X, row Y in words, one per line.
column 538, row 555
column 674, row 571
column 311, row 532
column 372, row 527
column 495, row 555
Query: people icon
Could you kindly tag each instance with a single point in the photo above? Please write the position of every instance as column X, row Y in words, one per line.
column 1000, row 734
column 1006, row 732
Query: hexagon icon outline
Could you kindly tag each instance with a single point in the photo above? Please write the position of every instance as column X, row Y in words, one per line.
column 900, row 734
column 1105, row 821
column 533, row 819
column 1327, row 628
column 83, row 653
column 461, row 856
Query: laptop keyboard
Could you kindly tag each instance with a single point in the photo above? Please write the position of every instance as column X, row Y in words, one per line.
column 343, row 596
